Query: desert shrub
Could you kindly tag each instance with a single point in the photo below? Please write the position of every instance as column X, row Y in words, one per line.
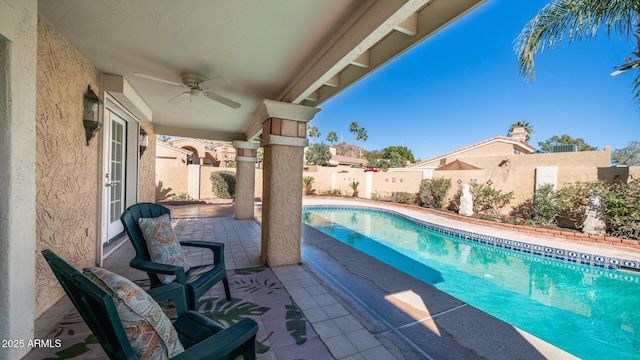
column 489, row 200
column 572, row 202
column 223, row 184
column 621, row 214
column 399, row 197
column 181, row 197
column 334, row 192
column 432, row 192
column 402, row 197
column 454, row 202
column 546, row 206
column 307, row 184
column 354, row 186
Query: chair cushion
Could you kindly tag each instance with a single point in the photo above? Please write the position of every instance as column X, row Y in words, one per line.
column 163, row 245
column 149, row 330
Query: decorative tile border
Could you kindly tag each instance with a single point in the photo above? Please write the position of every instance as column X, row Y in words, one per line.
column 568, row 256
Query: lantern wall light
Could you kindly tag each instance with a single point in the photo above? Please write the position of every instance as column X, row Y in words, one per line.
column 91, row 116
column 144, row 141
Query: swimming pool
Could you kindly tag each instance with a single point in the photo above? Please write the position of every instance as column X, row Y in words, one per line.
column 589, row 311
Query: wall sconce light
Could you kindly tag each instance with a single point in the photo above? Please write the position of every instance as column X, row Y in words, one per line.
column 91, row 116
column 144, row 141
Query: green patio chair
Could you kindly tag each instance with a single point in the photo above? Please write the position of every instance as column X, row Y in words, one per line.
column 196, row 281
column 199, row 336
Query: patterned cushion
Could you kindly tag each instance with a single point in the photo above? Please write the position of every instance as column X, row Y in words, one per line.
column 163, row 244
column 149, row 330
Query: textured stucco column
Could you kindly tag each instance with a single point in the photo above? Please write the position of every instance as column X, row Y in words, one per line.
column 284, row 137
column 246, row 157
column 18, row 39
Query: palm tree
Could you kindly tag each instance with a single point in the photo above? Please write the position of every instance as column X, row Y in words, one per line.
column 362, row 135
column 523, row 124
column 314, row 132
column 332, row 137
column 353, row 128
column 578, row 19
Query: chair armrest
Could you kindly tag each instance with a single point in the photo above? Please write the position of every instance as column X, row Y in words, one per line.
column 216, row 247
column 174, row 292
column 157, row 268
column 220, row 345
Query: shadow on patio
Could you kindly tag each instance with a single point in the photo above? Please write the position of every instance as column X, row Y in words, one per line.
column 258, row 292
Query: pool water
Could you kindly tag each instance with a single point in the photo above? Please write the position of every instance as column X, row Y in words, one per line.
column 588, row 311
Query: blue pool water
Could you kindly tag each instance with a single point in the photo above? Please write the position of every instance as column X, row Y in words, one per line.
column 588, row 311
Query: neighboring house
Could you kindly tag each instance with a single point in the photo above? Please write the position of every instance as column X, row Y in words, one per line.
column 201, row 154
column 167, row 154
column 338, row 160
column 225, row 155
column 498, row 145
column 198, row 149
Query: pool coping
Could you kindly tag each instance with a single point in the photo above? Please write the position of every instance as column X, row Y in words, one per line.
column 569, row 256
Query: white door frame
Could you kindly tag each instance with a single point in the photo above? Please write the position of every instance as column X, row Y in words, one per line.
column 131, row 171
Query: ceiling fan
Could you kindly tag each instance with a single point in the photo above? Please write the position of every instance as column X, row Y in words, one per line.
column 198, row 85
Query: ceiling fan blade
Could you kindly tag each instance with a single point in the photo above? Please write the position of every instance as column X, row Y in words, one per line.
column 145, row 76
column 215, row 83
column 222, row 100
column 180, row 98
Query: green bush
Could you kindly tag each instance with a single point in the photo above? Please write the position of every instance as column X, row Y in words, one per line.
column 489, row 200
column 572, row 202
column 621, row 214
column 432, row 192
column 181, row 197
column 567, row 206
column 399, row 197
column 402, row 197
column 334, row 192
column 546, row 206
column 354, row 186
column 307, row 184
column 223, row 184
column 318, row 154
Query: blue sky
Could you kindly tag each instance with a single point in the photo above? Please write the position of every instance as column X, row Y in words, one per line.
column 462, row 85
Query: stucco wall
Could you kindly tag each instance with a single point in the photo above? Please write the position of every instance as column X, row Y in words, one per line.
column 384, row 183
column 147, row 167
column 205, row 181
column 66, row 168
column 169, row 156
column 171, row 180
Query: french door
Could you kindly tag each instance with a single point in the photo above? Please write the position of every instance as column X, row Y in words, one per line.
column 115, row 178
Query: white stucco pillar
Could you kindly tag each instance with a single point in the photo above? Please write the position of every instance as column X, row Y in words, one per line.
column 18, row 39
column 284, row 137
column 194, row 181
column 368, row 186
column 246, row 157
column 546, row 175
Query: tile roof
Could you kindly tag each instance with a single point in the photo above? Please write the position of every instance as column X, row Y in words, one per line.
column 496, row 138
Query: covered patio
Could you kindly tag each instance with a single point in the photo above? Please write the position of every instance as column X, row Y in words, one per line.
column 296, row 314
column 253, row 73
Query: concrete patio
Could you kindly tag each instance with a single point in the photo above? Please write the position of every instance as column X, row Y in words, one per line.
column 335, row 334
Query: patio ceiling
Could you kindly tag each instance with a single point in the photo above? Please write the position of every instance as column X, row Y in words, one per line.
column 302, row 52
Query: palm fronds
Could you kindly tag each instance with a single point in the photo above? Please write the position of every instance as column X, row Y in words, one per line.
column 575, row 20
